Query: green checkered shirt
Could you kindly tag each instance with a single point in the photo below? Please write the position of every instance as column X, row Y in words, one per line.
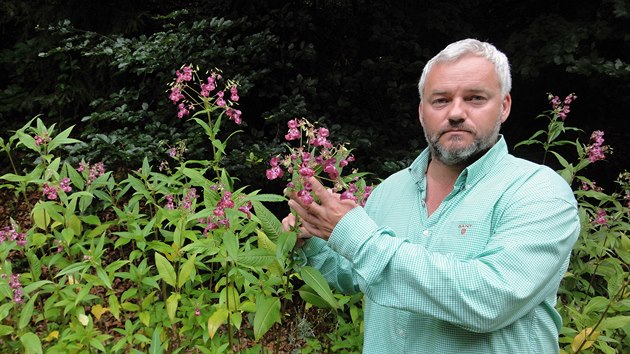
column 480, row 275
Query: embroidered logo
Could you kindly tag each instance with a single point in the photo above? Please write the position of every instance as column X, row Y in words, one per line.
column 463, row 228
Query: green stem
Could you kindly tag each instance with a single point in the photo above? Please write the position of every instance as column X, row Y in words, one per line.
column 619, row 294
column 215, row 163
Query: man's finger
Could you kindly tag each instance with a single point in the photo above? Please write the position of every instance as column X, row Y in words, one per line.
column 319, row 190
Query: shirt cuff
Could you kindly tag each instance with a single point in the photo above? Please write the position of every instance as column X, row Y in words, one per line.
column 351, row 232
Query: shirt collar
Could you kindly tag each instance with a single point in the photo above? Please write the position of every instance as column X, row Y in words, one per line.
column 470, row 175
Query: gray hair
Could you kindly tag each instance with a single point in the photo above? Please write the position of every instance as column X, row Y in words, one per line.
column 459, row 49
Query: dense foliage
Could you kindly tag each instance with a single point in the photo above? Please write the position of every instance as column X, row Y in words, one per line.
column 115, row 232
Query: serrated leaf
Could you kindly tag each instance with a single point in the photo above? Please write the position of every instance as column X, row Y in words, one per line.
column 269, row 223
column 255, row 258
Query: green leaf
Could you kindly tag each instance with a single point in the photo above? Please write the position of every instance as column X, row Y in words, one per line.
column 267, row 313
column 196, row 177
column 269, row 223
column 171, row 305
column 27, row 312
column 596, row 304
column 114, row 306
column 267, row 198
column 313, row 278
column 615, row 322
column 165, row 270
column 27, row 141
column 31, row 343
column 216, row 320
column 156, row 345
column 186, row 270
column 4, row 330
column 255, row 258
column 230, row 241
column 309, row 295
column 62, row 139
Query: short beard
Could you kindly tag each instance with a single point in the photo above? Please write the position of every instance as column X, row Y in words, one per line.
column 462, row 156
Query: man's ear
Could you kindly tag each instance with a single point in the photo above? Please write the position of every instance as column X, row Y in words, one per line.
column 420, row 114
column 506, row 106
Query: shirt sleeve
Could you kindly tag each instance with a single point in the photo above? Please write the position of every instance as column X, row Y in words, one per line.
column 520, row 267
column 336, row 269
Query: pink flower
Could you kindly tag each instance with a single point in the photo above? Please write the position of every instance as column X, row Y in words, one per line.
column 12, row 234
column 182, row 111
column 234, row 93
column 246, row 209
column 596, row 151
column 65, row 185
column 601, row 217
column 41, row 140
column 169, row 202
column 332, row 171
column 50, row 191
column 292, row 124
column 274, row 172
column 176, row 95
column 293, row 134
column 305, row 196
column 185, row 74
column 306, row 171
column 14, row 283
column 561, row 107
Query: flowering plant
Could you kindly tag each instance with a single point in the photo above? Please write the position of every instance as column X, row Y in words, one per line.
column 593, row 295
column 315, row 155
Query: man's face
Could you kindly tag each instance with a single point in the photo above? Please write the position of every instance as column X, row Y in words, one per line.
column 462, row 110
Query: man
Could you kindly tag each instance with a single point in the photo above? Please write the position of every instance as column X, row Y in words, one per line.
column 463, row 251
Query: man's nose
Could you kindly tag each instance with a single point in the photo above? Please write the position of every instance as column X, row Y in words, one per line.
column 457, row 112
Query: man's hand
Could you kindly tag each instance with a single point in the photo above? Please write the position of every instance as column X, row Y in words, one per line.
column 320, row 219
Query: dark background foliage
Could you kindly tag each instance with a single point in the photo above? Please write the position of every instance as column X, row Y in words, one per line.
column 104, row 66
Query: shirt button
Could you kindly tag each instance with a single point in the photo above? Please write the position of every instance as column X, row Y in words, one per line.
column 401, row 332
column 468, row 186
column 426, row 232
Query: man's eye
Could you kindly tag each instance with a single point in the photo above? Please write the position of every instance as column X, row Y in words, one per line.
column 477, row 99
column 440, row 101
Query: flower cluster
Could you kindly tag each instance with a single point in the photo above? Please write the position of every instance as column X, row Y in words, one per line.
column 561, row 108
column 42, row 139
column 186, row 203
column 50, row 191
column 219, row 218
column 94, row 171
column 12, row 234
column 601, row 219
column 597, row 150
column 316, row 156
column 16, row 286
column 188, row 96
